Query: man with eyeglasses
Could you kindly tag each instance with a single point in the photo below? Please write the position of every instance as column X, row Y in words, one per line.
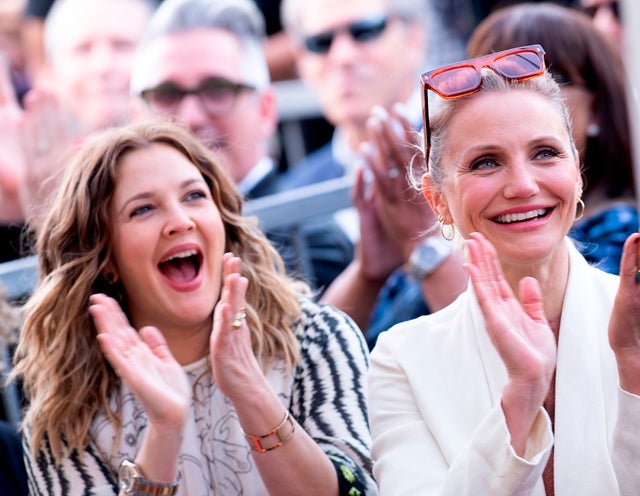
column 202, row 63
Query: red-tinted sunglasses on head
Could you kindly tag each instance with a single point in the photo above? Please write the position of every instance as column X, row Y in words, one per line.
column 464, row 78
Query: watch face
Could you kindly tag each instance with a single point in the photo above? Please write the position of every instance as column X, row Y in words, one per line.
column 427, row 257
column 126, row 477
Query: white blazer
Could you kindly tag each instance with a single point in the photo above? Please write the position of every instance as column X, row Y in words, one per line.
column 435, row 385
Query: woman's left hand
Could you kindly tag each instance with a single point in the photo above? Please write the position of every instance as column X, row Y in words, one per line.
column 233, row 362
column 624, row 324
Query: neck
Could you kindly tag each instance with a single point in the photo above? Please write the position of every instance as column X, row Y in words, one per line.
column 552, row 275
column 188, row 345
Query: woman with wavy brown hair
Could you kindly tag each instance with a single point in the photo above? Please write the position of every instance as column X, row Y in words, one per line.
column 228, row 379
column 592, row 79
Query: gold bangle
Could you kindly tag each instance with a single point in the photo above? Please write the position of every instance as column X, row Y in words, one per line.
column 277, row 433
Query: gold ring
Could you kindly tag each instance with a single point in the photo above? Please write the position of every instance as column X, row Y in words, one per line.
column 240, row 316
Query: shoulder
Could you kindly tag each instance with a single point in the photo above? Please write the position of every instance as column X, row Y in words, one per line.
column 318, row 166
column 600, row 237
column 418, row 339
column 584, row 277
column 322, row 326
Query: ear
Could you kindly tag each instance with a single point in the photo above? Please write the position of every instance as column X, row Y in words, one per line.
column 268, row 111
column 436, row 199
column 580, row 180
column 110, row 273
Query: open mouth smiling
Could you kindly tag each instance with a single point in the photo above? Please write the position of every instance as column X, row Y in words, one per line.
column 538, row 213
column 182, row 267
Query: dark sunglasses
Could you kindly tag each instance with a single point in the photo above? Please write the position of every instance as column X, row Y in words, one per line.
column 592, row 10
column 464, row 78
column 360, row 31
column 217, row 95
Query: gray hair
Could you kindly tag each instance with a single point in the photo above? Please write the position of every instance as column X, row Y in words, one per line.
column 442, row 110
column 241, row 18
column 409, row 10
column 62, row 13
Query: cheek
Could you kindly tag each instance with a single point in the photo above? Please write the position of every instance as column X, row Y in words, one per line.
column 311, row 69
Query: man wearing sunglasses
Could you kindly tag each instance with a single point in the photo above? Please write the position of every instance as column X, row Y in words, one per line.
column 363, row 58
column 355, row 55
column 202, row 64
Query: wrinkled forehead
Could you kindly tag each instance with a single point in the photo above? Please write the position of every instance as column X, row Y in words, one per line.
column 188, row 57
column 75, row 22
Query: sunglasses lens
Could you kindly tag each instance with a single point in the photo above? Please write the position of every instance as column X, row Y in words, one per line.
column 455, row 81
column 360, row 31
column 592, row 10
column 368, row 29
column 520, row 65
column 319, row 43
column 615, row 8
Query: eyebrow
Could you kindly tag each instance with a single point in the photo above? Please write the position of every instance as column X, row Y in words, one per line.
column 146, row 195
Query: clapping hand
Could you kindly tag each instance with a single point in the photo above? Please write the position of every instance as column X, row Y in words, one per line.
column 144, row 362
column 624, row 325
column 234, row 364
column 520, row 333
column 393, row 215
column 13, row 162
column 47, row 142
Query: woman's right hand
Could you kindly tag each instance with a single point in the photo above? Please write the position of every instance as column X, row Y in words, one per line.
column 145, row 363
column 520, row 333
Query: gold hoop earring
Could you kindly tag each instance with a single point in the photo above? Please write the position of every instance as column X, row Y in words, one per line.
column 446, row 229
column 579, row 209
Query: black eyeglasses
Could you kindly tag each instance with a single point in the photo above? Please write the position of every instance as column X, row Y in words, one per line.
column 217, row 96
column 360, row 31
column 464, row 78
column 592, row 10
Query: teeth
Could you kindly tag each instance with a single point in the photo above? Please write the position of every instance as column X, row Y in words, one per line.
column 182, row 254
column 508, row 218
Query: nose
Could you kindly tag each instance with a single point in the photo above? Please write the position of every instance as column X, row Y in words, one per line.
column 102, row 57
column 192, row 114
column 605, row 20
column 178, row 221
column 522, row 182
column 343, row 48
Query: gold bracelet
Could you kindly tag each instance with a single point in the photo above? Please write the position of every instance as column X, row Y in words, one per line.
column 277, row 433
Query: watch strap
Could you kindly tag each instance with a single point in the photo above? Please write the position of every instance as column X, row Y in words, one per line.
column 132, row 482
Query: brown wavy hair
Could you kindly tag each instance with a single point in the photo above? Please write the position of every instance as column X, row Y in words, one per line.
column 65, row 375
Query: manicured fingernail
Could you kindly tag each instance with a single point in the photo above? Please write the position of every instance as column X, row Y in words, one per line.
column 380, row 111
column 397, row 128
column 366, row 148
column 401, row 109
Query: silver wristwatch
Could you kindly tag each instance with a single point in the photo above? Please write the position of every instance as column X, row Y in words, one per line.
column 428, row 255
column 131, row 481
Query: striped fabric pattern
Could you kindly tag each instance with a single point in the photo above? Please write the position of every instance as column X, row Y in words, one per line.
column 325, row 393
